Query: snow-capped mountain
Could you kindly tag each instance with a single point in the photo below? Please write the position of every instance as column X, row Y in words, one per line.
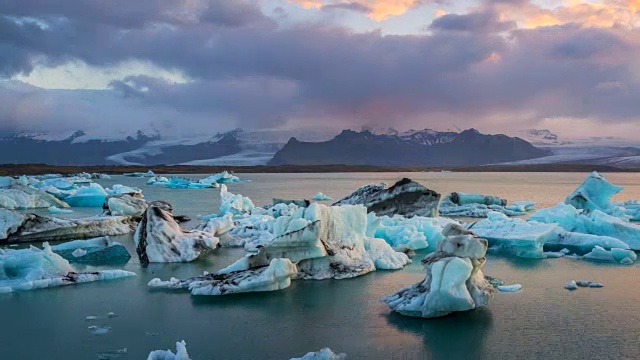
column 422, row 137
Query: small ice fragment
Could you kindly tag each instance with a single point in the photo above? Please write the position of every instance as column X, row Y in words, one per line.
column 565, row 251
column 583, row 283
column 89, row 318
column 571, row 285
column 79, row 252
column 13, row 245
column 149, row 333
column 205, row 273
column 111, row 354
column 626, row 261
column 509, row 288
column 595, row 285
column 99, row 330
column 111, row 314
column 321, row 197
column 554, row 254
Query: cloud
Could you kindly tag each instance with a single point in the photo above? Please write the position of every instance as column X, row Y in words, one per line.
column 377, row 10
column 481, row 68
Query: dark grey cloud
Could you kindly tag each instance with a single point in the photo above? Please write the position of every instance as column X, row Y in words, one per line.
column 353, row 6
column 246, row 69
column 486, row 21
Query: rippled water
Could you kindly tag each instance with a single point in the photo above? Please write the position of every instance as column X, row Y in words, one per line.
column 543, row 321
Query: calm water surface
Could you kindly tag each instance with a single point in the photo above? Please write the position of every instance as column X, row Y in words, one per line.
column 543, row 321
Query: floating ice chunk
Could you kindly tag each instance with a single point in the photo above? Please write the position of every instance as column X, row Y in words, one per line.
column 234, row 204
column 18, row 196
column 17, row 227
column 521, row 206
column 32, row 268
column 159, row 238
column 411, row 233
column 126, row 205
column 323, row 354
column 594, row 193
column 93, row 195
column 406, row 197
column 181, row 353
column 554, row 254
column 56, row 210
column 321, row 197
column 571, row 285
column 477, row 205
column 79, row 252
column 158, row 180
column 90, row 318
column 589, row 284
column 274, row 277
column 622, row 256
column 383, row 256
column 585, row 242
column 93, row 251
column 99, row 330
column 112, row 354
column 509, row 288
column 111, row 314
column 454, row 281
column 592, row 222
column 118, row 189
column 515, row 236
column 222, row 178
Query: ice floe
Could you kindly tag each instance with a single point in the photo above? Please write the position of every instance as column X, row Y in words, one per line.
column 454, row 280
column 19, row 196
column 93, row 251
column 479, row 206
column 125, row 204
column 323, row 354
column 321, row 197
column 34, row 268
column 57, row 210
column 22, row 227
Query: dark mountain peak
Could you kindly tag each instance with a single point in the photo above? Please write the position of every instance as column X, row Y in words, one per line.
column 75, row 135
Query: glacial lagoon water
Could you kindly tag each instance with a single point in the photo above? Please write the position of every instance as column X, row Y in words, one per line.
column 543, row 321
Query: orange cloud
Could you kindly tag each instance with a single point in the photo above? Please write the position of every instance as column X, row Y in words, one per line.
column 379, row 10
column 441, row 12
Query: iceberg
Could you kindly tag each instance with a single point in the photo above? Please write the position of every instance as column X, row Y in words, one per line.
column 93, row 195
column 406, row 197
column 119, row 189
column 181, row 353
column 93, row 251
column 18, row 196
column 276, row 276
column 57, row 210
column 407, row 233
column 479, row 206
column 21, row 227
column 321, row 197
column 454, row 281
column 33, row 268
column 594, row 222
column 621, row 256
column 595, row 193
column 515, row 236
column 159, row 238
column 234, row 204
column 126, row 205
column 158, row 180
column 140, row 174
column 222, row 178
column 323, row 354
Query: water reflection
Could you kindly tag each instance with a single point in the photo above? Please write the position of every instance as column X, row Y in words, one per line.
column 459, row 335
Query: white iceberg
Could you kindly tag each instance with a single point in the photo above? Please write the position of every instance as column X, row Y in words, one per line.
column 321, row 197
column 18, row 196
column 57, row 210
column 158, row 180
column 22, row 227
column 159, row 238
column 276, row 276
column 234, row 204
column 32, row 268
column 595, row 193
column 181, row 353
column 454, row 281
column 323, row 354
column 222, row 178
column 119, row 189
column 126, row 205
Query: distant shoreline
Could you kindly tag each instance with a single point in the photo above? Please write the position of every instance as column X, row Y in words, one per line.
column 39, row 169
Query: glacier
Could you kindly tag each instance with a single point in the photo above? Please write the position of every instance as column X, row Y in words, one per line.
column 34, row 268
column 454, row 280
column 159, row 238
column 276, row 276
column 22, row 227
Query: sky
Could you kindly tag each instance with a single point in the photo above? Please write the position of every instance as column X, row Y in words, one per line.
column 197, row 66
